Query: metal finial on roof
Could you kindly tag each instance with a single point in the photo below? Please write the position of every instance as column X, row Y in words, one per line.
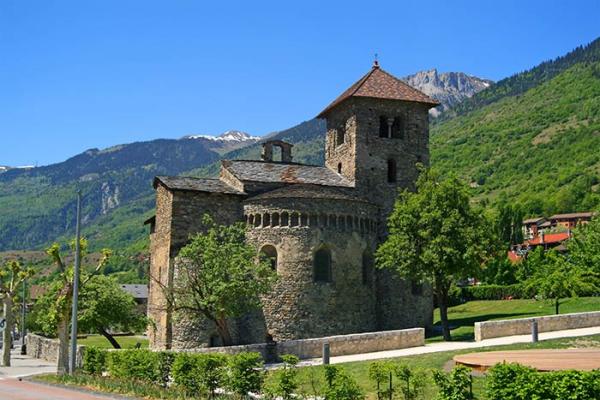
column 376, row 62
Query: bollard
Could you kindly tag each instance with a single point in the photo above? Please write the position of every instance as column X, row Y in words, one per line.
column 326, row 353
column 534, row 331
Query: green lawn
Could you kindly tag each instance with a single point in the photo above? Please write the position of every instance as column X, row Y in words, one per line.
column 463, row 317
column 126, row 342
column 359, row 370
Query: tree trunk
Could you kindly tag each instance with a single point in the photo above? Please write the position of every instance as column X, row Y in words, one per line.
column 556, row 305
column 109, row 337
column 443, row 303
column 8, row 328
column 63, row 342
column 223, row 330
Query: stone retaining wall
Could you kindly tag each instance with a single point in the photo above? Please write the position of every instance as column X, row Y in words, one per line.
column 339, row 345
column 522, row 326
column 47, row 349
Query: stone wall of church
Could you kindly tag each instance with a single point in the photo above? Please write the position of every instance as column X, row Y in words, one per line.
column 179, row 215
column 299, row 307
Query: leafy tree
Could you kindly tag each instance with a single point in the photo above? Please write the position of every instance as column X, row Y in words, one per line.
column 104, row 305
column 12, row 274
column 60, row 312
column 509, row 224
column 436, row 236
column 220, row 277
column 556, row 278
column 584, row 247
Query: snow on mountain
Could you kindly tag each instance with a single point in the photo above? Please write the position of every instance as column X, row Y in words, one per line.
column 227, row 136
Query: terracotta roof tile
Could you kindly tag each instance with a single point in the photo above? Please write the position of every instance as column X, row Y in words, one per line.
column 549, row 238
column 380, row 84
column 573, row 215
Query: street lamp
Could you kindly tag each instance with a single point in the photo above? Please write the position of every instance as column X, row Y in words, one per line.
column 73, row 354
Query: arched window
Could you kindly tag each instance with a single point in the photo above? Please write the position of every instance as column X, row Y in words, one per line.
column 391, row 171
column 269, row 253
column 367, row 266
column 322, row 265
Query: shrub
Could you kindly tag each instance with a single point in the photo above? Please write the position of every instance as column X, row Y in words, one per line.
column 454, row 386
column 134, row 364
column 380, row 372
column 245, row 374
column 94, row 360
column 515, row 382
column 286, row 379
column 199, row 373
column 411, row 381
column 341, row 386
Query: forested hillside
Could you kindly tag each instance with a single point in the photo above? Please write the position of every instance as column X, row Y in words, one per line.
column 540, row 149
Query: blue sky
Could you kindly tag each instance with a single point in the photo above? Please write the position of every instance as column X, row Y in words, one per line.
column 76, row 75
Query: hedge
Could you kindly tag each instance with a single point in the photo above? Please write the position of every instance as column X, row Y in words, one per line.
column 94, row 360
column 516, row 382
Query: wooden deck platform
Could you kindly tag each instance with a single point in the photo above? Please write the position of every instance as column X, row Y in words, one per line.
column 542, row 360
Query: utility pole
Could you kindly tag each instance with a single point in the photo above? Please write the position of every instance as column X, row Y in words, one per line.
column 73, row 358
column 23, row 314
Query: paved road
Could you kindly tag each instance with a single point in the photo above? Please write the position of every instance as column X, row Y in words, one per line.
column 13, row 389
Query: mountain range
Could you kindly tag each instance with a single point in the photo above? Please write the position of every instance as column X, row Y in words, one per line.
column 532, row 138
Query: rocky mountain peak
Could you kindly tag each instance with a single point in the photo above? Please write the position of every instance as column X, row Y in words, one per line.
column 449, row 88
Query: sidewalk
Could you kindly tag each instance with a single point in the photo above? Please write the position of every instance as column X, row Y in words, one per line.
column 452, row 346
column 22, row 366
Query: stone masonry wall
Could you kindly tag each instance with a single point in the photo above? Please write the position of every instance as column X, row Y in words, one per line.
column 522, row 326
column 299, row 307
column 340, row 345
column 47, row 349
column 366, row 154
column 159, row 333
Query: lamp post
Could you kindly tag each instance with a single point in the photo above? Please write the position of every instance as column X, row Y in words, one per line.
column 23, row 313
column 73, row 355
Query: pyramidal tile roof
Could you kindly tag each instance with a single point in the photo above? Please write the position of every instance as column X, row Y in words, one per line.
column 380, row 84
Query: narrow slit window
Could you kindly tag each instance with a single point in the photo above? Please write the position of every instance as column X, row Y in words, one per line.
column 391, row 171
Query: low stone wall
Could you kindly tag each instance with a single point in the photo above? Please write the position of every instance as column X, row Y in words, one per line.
column 47, row 349
column 339, row 345
column 522, row 326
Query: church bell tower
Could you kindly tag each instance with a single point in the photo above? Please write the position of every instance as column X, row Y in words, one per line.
column 377, row 131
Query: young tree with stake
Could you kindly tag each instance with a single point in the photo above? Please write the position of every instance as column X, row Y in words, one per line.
column 12, row 275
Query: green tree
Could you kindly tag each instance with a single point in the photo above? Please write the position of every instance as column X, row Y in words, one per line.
column 104, row 306
column 286, row 379
column 456, row 385
column 60, row 312
column 12, row 274
column 557, row 278
column 436, row 236
column 509, row 222
column 220, row 276
column 584, row 247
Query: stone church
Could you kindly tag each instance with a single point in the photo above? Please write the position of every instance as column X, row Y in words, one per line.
column 318, row 225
